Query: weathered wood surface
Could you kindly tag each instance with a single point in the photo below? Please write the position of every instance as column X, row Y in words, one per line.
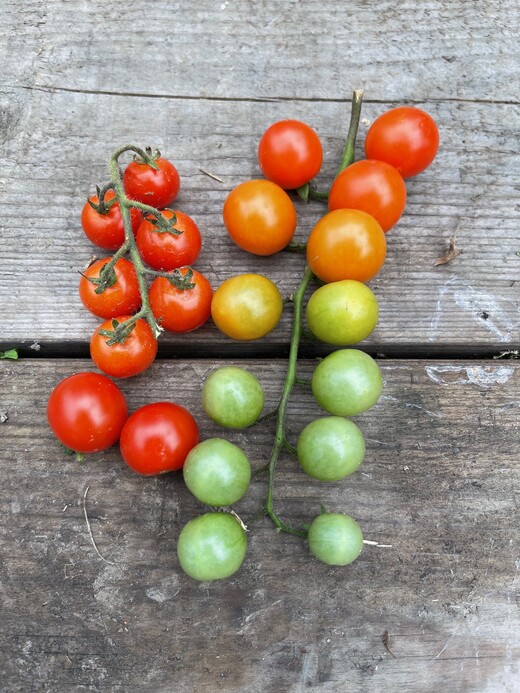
column 440, row 483
column 85, row 79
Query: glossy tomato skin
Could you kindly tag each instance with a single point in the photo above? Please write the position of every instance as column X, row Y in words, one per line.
column 181, row 310
column 247, row 306
column 260, row 217
column 120, row 298
column 168, row 251
column 372, row 186
column 346, row 244
column 331, row 448
column 157, row 188
column 405, row 137
column 232, row 397
column 107, row 230
column 86, row 412
column 127, row 358
column 212, row 546
column 290, row 153
column 158, row 437
column 342, row 313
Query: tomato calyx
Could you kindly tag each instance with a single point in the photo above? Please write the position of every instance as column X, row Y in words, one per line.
column 164, row 225
column 120, row 333
column 183, row 282
column 107, row 278
column 148, row 157
column 103, row 206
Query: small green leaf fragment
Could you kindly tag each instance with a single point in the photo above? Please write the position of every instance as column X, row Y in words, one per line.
column 9, row 354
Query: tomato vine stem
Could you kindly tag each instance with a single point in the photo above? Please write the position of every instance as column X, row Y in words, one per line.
column 280, row 441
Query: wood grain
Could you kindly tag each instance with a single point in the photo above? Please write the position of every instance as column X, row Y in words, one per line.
column 440, row 484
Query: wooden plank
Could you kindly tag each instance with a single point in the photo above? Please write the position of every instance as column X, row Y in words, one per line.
column 287, row 50
column 440, row 483
column 58, row 145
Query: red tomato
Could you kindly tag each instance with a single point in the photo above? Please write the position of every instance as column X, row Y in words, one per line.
column 158, row 437
column 373, row 187
column 129, row 357
column 290, row 153
column 163, row 250
column 346, row 244
column 260, row 217
column 116, row 299
column 106, row 229
column 181, row 310
column 157, row 188
column 86, row 412
column 405, row 137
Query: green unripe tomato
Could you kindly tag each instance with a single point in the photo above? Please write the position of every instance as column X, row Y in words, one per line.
column 342, row 313
column 232, row 397
column 347, row 382
column 335, row 539
column 217, row 472
column 212, row 546
column 330, row 449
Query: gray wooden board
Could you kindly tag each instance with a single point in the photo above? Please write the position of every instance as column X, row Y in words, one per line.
column 440, row 484
column 202, row 83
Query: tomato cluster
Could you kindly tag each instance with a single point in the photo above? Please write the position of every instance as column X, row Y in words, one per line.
column 345, row 249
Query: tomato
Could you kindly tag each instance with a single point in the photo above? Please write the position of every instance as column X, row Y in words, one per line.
column 86, row 412
column 290, row 153
column 106, row 228
column 212, row 546
column 373, row 187
column 331, row 448
column 247, row 306
column 157, row 188
column 404, row 137
column 123, row 359
column 181, row 309
column 232, row 397
column 260, row 217
column 122, row 296
column 346, row 244
column 168, row 250
column 217, row 472
column 342, row 313
column 347, row 382
column 335, row 539
column 157, row 438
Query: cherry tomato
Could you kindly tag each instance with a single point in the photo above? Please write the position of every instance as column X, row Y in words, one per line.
column 335, row 539
column 346, row 244
column 232, row 397
column 342, row 313
column 129, row 357
column 247, row 306
column 212, row 546
column 165, row 250
column 347, row 382
column 260, row 217
column 405, row 137
column 178, row 309
column 373, row 187
column 157, row 438
column 157, row 188
column 86, row 412
column 217, row 472
column 123, row 296
column 107, row 229
column 290, row 153
column 331, row 448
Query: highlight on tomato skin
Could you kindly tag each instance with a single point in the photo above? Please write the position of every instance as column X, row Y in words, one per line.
column 290, row 153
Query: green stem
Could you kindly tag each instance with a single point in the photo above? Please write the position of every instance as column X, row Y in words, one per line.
column 280, row 440
column 125, row 204
column 350, row 144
